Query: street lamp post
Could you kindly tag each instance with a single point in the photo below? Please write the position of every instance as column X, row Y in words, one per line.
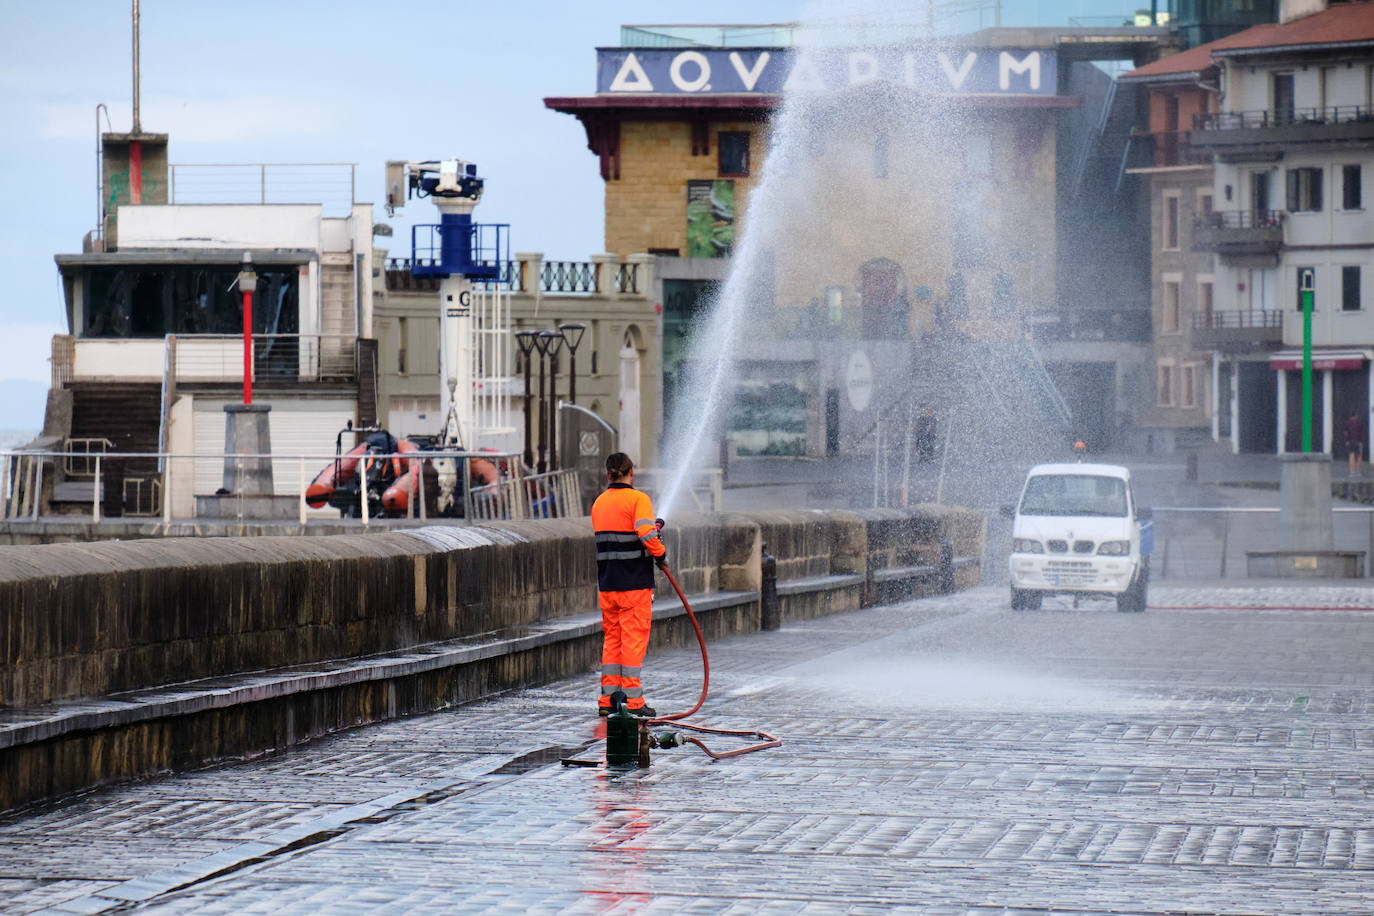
column 248, row 284
column 554, row 343
column 572, row 333
column 525, row 340
column 541, row 343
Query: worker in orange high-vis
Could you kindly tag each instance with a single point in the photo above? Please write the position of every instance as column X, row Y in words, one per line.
column 627, row 548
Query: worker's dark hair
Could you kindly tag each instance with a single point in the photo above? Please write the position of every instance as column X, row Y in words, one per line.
column 618, row 466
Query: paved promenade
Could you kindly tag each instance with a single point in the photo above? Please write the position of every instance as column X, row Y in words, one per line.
column 945, row 755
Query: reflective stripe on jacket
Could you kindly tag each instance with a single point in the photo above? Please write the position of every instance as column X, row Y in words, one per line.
column 626, row 539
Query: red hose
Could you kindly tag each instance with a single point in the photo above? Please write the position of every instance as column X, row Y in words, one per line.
column 675, row 718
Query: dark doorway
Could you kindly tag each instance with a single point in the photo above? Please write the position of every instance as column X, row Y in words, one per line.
column 1349, row 394
column 1257, row 393
column 882, row 291
column 1292, row 436
column 832, row 422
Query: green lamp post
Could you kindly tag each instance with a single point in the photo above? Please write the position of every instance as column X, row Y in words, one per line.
column 1305, row 289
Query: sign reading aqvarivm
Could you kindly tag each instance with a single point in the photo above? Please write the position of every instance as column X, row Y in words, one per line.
column 720, row 71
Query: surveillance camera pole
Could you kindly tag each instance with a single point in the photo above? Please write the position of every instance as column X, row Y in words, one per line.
column 1306, row 287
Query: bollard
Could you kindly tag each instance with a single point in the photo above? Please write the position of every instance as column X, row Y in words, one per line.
column 946, row 567
column 770, row 613
column 1190, row 471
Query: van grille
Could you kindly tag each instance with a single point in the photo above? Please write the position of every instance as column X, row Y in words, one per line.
column 1071, row 572
column 1057, row 546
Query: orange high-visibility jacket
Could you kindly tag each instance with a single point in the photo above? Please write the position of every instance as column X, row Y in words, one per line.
column 626, row 539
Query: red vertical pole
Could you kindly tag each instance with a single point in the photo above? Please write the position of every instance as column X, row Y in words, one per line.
column 135, row 172
column 247, row 347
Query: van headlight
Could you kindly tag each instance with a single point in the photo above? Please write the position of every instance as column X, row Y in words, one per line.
column 1114, row 548
column 1026, row 545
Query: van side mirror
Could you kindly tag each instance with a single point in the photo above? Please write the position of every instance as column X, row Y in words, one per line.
column 1144, row 513
column 1007, row 512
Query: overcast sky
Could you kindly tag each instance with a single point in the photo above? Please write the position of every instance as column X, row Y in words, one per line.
column 327, row 81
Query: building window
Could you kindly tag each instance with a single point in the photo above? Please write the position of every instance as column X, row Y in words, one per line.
column 1283, row 98
column 1205, row 301
column 1170, row 221
column 1204, row 203
column 1304, row 190
column 1188, row 380
column 956, row 302
column 1172, row 307
column 1164, row 385
column 1350, row 289
column 1300, row 273
column 880, row 145
column 1351, row 196
column 401, row 332
column 734, row 154
column 834, row 305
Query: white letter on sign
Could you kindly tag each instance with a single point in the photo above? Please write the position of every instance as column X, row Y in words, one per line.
column 1007, row 65
column 749, row 77
column 956, row 77
column 631, row 77
column 703, row 65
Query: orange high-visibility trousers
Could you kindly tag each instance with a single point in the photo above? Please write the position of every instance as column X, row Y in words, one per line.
column 625, row 620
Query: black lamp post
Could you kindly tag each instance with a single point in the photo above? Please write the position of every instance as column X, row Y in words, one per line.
column 554, row 343
column 525, row 340
column 572, row 333
column 541, row 343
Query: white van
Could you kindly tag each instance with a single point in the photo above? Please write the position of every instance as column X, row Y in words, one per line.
column 1077, row 530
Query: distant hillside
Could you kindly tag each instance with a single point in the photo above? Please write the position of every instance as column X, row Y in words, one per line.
column 21, row 404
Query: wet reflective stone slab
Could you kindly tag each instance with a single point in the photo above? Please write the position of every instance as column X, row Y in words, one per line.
column 942, row 756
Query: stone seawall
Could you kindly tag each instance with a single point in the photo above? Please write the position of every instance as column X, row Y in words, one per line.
column 119, row 659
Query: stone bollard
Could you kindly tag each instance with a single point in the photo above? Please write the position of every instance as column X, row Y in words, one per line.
column 946, row 566
column 770, row 617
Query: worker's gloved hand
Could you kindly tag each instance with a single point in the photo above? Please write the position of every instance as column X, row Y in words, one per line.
column 661, row 561
column 659, row 523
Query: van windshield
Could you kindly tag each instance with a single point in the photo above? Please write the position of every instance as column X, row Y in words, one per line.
column 1074, row 494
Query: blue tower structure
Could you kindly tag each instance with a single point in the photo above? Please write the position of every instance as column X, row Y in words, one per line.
column 456, row 246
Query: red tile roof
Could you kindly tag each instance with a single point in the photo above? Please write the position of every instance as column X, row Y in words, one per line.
column 1342, row 23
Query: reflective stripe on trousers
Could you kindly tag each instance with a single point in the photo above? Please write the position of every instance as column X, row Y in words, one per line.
column 625, row 618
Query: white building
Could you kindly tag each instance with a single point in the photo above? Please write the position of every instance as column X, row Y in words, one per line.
column 1292, row 140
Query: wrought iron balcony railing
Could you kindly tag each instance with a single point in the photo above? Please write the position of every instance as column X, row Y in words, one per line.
column 1243, row 120
column 567, row 277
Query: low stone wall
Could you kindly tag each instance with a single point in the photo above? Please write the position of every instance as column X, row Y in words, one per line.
column 377, row 625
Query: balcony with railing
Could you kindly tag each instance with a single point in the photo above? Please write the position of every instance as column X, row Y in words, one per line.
column 1237, row 132
column 1056, row 326
column 277, row 359
column 1239, row 233
column 1238, row 331
column 1172, row 148
column 588, row 278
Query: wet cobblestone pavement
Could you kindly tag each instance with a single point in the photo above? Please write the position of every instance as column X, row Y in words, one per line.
column 942, row 756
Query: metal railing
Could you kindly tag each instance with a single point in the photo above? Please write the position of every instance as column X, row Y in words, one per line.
column 555, row 494
column 1297, row 117
column 1237, row 319
column 1171, row 148
column 83, row 457
column 1239, row 219
column 287, row 358
column 1214, row 542
column 568, row 277
column 333, row 184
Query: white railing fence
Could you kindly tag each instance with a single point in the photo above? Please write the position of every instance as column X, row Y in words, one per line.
column 514, row 497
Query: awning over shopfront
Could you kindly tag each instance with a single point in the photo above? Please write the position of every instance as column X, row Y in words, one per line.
column 1322, row 359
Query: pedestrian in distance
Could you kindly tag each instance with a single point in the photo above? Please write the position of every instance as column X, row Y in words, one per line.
column 627, row 549
column 1354, row 442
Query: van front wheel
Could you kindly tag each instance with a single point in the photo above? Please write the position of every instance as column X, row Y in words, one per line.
column 1133, row 599
column 1025, row 600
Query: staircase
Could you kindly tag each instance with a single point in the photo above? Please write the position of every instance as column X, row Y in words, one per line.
column 129, row 415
